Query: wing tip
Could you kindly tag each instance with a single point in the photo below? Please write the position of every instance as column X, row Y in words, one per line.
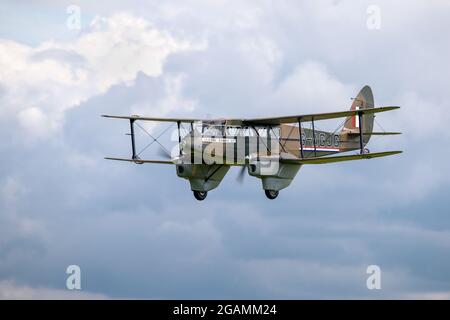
column 391, row 107
column 382, row 154
column 140, row 161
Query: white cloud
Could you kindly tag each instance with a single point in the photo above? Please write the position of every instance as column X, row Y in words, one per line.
column 171, row 100
column 263, row 58
column 312, row 88
column 35, row 121
column 262, row 54
column 42, row 82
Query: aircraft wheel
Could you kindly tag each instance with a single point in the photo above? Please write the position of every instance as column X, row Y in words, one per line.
column 271, row 194
column 200, row 195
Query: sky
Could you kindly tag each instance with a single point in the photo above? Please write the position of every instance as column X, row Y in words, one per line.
column 137, row 232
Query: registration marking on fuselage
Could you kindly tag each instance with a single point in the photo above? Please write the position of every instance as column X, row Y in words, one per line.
column 219, row 140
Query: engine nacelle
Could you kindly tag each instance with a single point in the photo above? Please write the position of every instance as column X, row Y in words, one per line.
column 264, row 168
column 273, row 174
column 202, row 177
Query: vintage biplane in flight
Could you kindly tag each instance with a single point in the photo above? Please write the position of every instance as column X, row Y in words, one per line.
column 272, row 149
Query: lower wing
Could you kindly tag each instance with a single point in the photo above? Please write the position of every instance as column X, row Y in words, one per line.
column 321, row 160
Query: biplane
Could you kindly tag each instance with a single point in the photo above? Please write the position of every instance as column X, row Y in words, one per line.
column 271, row 149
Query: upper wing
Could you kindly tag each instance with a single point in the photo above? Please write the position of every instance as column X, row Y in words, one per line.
column 136, row 117
column 265, row 121
column 140, row 161
column 318, row 116
column 320, row 160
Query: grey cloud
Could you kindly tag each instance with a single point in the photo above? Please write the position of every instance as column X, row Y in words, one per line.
column 136, row 231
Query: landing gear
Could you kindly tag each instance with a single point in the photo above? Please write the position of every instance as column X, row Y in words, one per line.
column 200, row 195
column 271, row 194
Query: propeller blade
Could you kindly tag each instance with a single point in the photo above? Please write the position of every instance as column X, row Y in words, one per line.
column 163, row 154
column 241, row 174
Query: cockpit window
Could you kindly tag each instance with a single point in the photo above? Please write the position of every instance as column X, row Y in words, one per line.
column 214, row 130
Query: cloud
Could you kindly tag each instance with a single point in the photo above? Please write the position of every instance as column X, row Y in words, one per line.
column 136, row 230
column 313, row 87
column 41, row 83
column 427, row 296
column 9, row 290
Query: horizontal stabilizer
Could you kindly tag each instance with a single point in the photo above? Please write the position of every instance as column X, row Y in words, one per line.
column 321, row 160
column 140, row 161
column 384, row 133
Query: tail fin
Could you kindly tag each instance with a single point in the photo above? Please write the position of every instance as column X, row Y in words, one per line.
column 364, row 100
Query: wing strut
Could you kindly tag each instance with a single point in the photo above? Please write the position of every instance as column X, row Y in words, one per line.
column 179, row 137
column 279, row 139
column 257, row 143
column 192, row 142
column 133, row 145
column 300, row 135
column 361, row 143
column 314, row 136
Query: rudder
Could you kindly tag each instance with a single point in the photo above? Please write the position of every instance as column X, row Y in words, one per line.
column 364, row 100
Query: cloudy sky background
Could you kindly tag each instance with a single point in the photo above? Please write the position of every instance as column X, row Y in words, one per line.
column 137, row 231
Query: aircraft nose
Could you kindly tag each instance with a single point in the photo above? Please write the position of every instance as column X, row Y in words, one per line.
column 188, row 145
column 185, row 144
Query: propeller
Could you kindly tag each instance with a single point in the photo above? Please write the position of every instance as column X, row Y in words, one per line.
column 164, row 154
column 241, row 175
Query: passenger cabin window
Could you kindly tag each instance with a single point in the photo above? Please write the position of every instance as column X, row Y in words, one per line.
column 221, row 130
column 262, row 132
column 232, row 131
